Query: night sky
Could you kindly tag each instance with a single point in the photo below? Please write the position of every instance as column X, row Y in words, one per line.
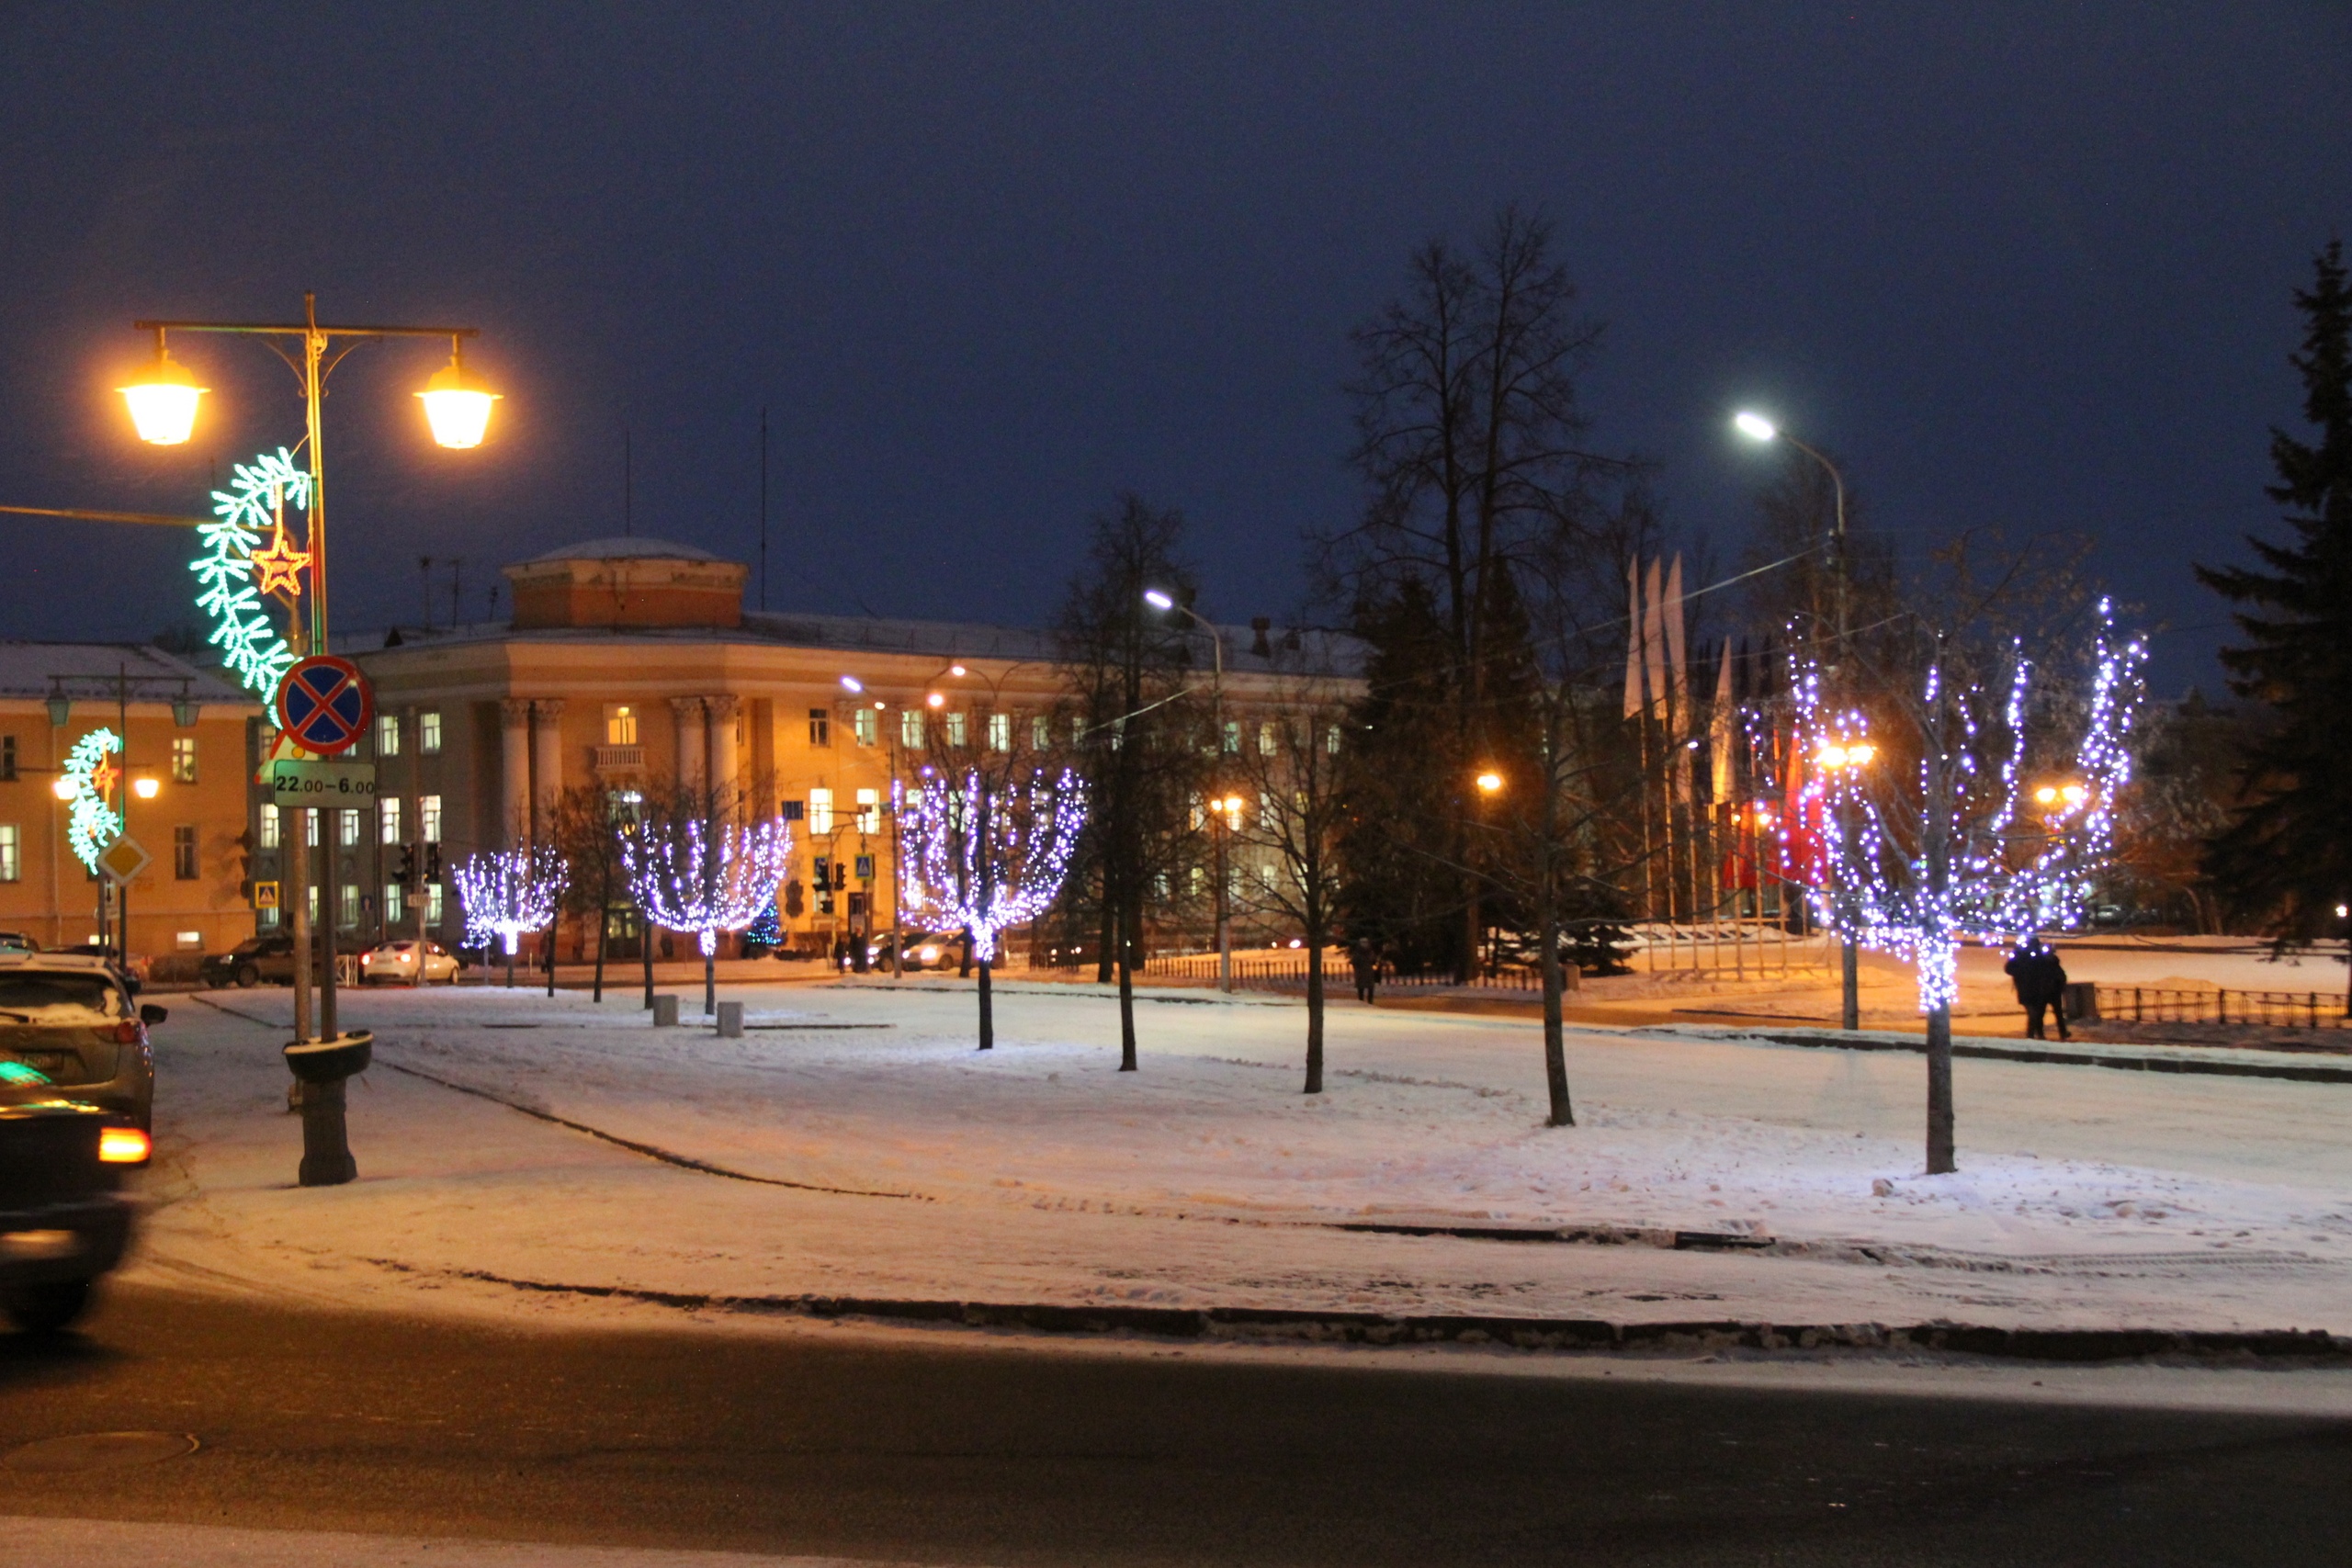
column 988, row 266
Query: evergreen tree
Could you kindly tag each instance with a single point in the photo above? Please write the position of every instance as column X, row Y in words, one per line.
column 2284, row 853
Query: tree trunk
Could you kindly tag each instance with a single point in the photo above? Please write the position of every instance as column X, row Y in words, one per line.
column 1126, row 999
column 987, row 1008
column 604, row 918
column 552, row 925
column 1556, row 1056
column 1314, row 1012
column 645, row 951
column 1104, row 958
column 1939, row 1120
column 709, row 981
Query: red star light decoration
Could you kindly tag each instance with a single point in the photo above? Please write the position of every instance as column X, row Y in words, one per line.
column 281, row 567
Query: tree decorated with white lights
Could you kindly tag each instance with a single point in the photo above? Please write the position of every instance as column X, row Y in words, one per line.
column 507, row 892
column 987, row 857
column 705, row 875
column 1924, row 828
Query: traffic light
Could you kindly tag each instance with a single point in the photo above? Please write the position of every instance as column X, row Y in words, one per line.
column 405, row 870
column 432, row 862
column 841, row 876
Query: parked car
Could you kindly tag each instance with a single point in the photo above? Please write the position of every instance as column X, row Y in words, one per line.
column 411, row 963
column 135, row 966
column 23, row 942
column 269, row 956
column 63, row 1221
column 69, row 1027
column 922, row 948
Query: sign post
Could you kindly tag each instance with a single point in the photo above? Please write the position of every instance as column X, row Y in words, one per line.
column 324, row 708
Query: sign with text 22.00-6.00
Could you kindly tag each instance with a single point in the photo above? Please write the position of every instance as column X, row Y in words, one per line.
column 323, row 705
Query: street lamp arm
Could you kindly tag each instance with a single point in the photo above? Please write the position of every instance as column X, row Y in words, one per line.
column 272, row 329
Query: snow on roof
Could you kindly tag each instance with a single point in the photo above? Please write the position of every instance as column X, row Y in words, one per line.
column 632, row 547
column 90, row 672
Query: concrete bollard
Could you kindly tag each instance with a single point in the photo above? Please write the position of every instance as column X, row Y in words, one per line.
column 665, row 1012
column 731, row 1021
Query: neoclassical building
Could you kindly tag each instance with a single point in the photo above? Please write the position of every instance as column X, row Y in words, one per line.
column 631, row 662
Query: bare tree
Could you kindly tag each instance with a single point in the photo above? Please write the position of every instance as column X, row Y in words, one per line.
column 1472, row 441
column 1290, row 760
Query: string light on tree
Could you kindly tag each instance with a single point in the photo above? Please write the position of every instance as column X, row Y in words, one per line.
column 986, row 859
column 687, row 877
column 507, row 892
column 254, row 504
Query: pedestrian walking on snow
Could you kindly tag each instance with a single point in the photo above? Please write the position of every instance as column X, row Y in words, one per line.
column 2041, row 980
column 1366, row 964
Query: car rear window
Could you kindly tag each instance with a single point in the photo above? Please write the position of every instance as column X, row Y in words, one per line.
column 36, row 992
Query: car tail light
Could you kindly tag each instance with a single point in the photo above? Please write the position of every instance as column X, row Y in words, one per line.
column 126, row 1032
column 124, row 1145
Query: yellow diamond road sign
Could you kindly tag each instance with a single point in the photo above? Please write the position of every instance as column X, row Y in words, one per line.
column 123, row 859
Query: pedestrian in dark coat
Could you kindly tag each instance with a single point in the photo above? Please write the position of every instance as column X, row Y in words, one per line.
column 2035, row 970
column 1366, row 964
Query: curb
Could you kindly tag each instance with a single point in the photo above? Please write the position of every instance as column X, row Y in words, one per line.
column 2314, row 1348
column 2001, row 1051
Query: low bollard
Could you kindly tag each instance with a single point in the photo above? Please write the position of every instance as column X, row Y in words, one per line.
column 322, row 1066
column 731, row 1021
column 665, row 1012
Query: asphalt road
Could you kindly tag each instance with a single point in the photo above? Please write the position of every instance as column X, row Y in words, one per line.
column 953, row 1451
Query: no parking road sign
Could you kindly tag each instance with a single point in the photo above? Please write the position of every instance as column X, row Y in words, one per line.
column 323, row 705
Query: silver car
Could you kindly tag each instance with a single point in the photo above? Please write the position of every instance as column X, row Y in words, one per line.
column 69, row 1030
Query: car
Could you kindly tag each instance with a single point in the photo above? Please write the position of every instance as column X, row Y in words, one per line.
column 412, row 961
column 68, row 1026
column 922, row 948
column 23, row 942
column 135, row 966
column 269, row 956
column 63, row 1218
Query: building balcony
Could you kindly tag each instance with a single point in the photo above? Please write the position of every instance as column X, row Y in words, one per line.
column 620, row 758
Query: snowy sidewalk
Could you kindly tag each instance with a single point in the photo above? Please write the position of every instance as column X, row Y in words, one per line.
column 869, row 1152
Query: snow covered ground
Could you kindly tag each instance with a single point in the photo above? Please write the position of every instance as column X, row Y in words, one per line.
column 873, row 1153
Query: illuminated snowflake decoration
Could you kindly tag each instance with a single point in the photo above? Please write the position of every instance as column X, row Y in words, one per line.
column 1956, row 855
column 507, row 892
column 240, row 626
column 91, row 823
column 691, row 878
column 989, row 859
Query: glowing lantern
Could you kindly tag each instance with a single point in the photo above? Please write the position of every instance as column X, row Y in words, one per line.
column 162, row 401
column 456, row 406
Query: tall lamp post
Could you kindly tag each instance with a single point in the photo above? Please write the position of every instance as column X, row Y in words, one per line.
column 1161, row 600
column 1755, row 427
column 162, row 401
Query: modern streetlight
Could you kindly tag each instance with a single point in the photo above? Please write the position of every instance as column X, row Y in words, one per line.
column 162, row 401
column 1755, row 427
column 1162, row 600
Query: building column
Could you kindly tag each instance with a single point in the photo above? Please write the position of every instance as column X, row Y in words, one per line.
column 724, row 760
column 515, row 770
column 690, row 742
column 546, row 746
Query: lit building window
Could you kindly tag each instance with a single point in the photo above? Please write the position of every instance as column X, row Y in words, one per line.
column 388, row 735
column 310, row 837
column 11, row 851
column 268, row 824
column 347, row 829
column 1233, row 738
column 868, row 726
column 1000, row 732
column 620, row 726
column 820, row 811
column 821, row 727
column 1266, row 744
column 910, row 728
column 268, row 919
column 1077, row 730
column 432, row 903
column 1331, row 740
column 428, row 818
column 348, row 905
column 395, row 901
column 184, row 867
column 869, row 811
column 388, row 819
column 428, row 733
column 955, row 729
column 1041, row 732
column 182, row 759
